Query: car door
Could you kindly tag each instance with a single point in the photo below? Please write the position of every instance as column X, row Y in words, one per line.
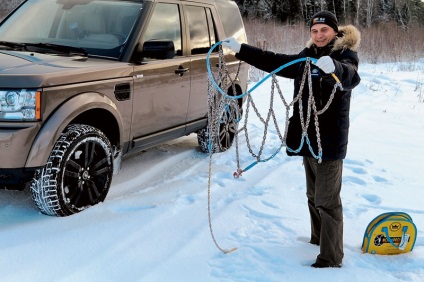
column 201, row 33
column 161, row 86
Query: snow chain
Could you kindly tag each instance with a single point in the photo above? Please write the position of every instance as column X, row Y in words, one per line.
column 219, row 101
column 217, row 105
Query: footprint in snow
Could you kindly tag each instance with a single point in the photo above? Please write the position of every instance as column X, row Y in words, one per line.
column 380, row 179
column 186, row 199
column 270, row 205
column 355, row 180
column 358, row 170
column 374, row 199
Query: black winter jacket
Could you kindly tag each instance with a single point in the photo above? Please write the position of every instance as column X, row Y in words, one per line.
column 334, row 122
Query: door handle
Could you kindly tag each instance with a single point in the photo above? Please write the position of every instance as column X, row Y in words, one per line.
column 181, row 70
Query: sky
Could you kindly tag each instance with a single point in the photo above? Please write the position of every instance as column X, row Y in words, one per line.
column 153, row 226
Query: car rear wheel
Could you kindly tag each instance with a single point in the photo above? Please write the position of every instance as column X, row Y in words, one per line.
column 227, row 129
column 78, row 173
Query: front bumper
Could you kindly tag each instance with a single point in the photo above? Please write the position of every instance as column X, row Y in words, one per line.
column 15, row 177
column 15, row 144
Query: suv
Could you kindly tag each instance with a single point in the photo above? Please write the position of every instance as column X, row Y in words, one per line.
column 85, row 82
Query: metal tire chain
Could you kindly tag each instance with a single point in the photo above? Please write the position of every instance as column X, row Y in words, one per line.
column 272, row 113
column 277, row 128
column 312, row 104
column 214, row 115
column 317, row 113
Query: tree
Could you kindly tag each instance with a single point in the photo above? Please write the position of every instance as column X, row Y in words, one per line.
column 7, row 6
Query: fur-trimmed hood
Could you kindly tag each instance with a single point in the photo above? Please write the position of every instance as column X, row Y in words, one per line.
column 348, row 37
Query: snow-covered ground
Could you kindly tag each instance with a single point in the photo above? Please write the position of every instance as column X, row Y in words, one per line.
column 153, row 225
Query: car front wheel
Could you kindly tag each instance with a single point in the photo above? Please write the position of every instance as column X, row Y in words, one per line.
column 78, row 173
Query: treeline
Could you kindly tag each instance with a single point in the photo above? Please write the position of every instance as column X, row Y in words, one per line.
column 363, row 13
column 6, row 6
column 392, row 30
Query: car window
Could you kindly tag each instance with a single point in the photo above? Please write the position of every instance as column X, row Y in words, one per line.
column 202, row 36
column 99, row 26
column 233, row 24
column 212, row 28
column 165, row 23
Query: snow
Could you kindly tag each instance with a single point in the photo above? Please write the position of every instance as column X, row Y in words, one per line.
column 153, row 225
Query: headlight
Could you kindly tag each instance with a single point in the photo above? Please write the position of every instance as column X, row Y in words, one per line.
column 20, row 104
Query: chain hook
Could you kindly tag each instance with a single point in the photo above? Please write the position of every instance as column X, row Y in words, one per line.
column 238, row 173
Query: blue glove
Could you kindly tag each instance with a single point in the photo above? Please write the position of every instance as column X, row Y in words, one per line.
column 326, row 64
column 231, row 43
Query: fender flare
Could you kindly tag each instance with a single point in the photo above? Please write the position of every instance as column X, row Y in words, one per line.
column 57, row 122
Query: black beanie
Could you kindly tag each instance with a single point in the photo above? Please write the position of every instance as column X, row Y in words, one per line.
column 324, row 17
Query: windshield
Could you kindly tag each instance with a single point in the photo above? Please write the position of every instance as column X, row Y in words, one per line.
column 101, row 27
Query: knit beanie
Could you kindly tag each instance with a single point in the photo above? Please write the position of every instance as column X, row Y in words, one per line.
column 324, row 17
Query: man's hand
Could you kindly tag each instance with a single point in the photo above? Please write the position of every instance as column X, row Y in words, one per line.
column 326, row 64
column 232, row 44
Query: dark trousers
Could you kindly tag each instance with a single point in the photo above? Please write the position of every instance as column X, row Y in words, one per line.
column 323, row 186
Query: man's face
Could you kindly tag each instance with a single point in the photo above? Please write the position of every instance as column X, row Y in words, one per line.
column 322, row 34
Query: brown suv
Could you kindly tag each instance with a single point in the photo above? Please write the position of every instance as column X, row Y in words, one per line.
column 85, row 82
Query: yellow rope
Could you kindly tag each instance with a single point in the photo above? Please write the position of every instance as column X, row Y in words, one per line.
column 335, row 77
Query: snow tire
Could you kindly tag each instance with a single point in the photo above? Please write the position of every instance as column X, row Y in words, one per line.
column 78, row 172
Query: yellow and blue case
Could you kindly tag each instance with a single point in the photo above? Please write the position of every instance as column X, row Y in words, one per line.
column 389, row 234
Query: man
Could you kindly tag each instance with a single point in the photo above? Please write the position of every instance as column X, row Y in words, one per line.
column 335, row 48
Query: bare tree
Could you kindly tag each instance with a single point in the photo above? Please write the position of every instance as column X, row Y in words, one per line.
column 6, row 6
column 369, row 10
column 403, row 13
column 358, row 6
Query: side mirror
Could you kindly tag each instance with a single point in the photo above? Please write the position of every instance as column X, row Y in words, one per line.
column 158, row 49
